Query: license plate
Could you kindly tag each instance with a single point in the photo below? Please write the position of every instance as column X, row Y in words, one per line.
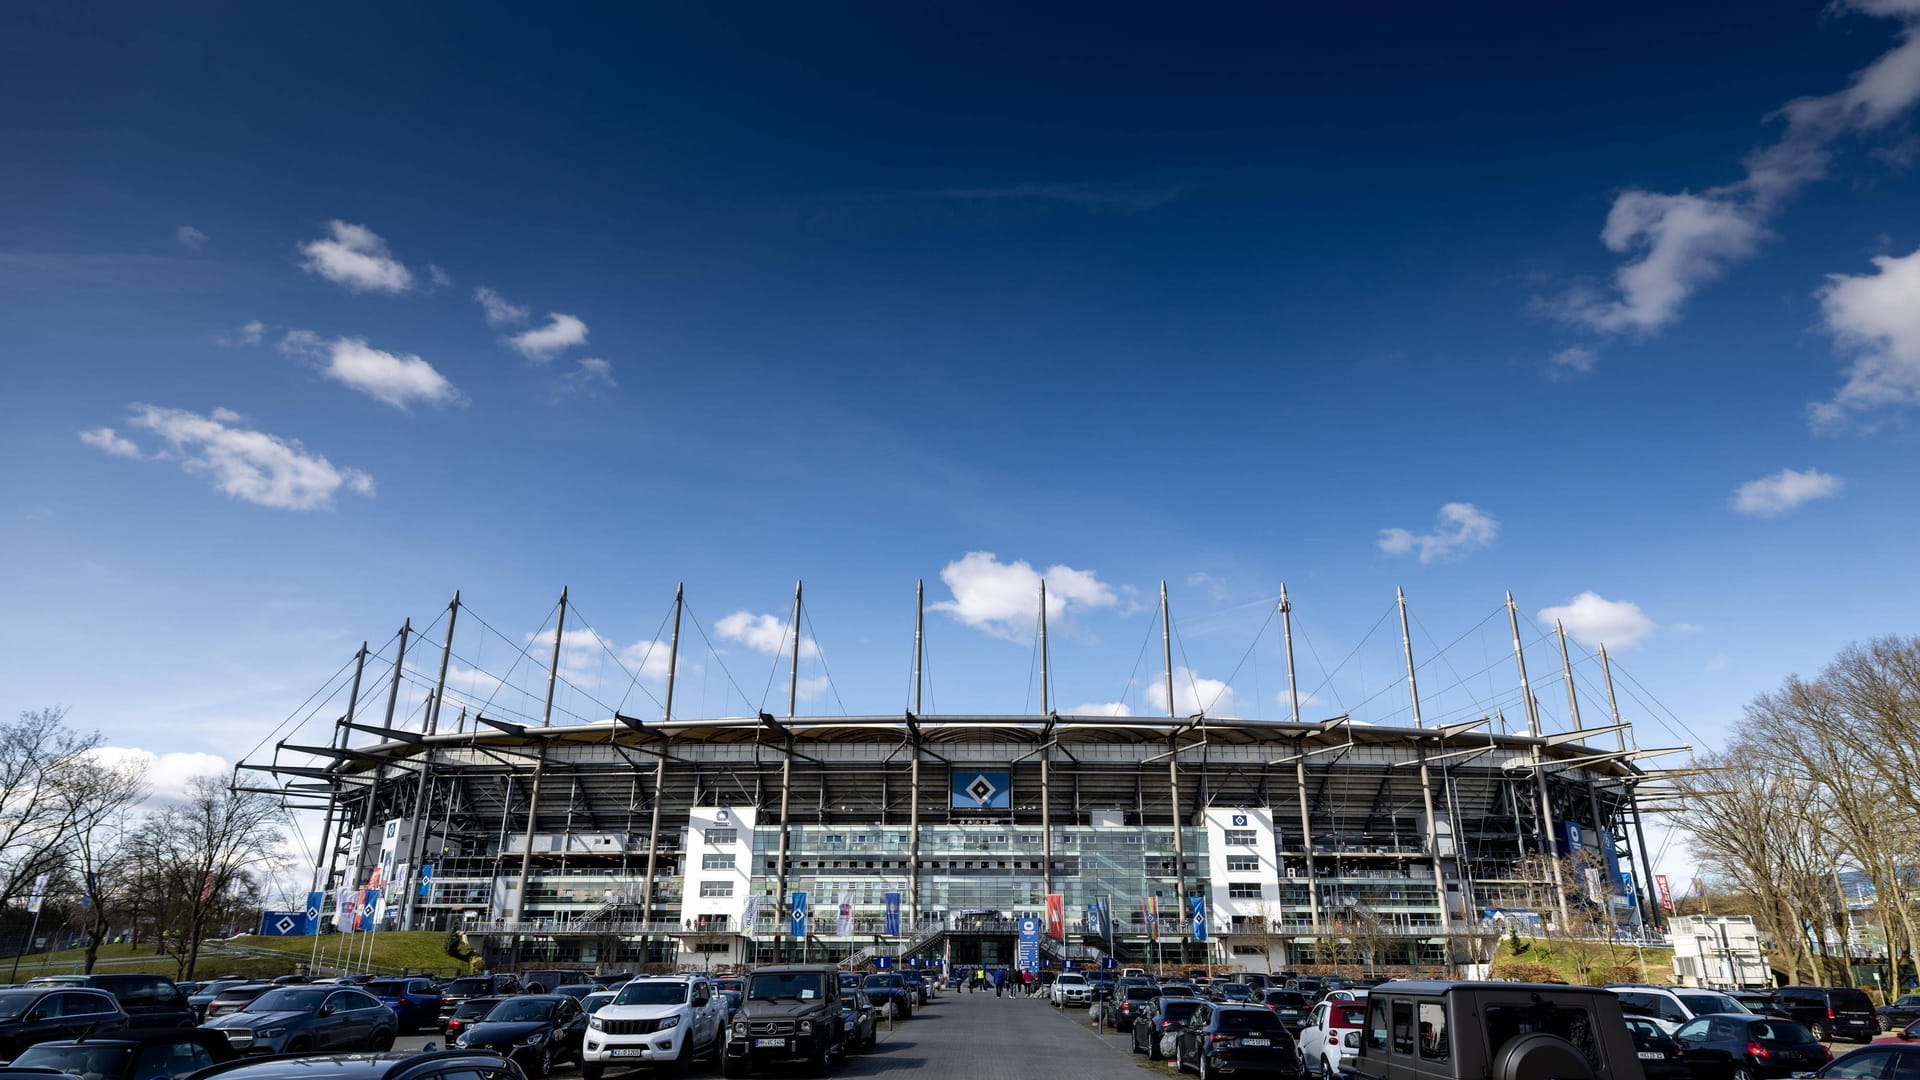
column 626, row 1051
column 769, row 1042
column 1256, row 1042
column 1652, row 1055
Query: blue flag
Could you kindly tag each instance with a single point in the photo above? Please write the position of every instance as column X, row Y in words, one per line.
column 1199, row 917
column 1096, row 925
column 310, row 918
column 369, row 903
column 797, row 912
column 893, row 914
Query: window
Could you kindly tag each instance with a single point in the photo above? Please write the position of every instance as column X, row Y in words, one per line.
column 716, row 888
column 716, row 862
column 1508, row 1022
column 721, row 836
column 1866, row 1063
column 1403, row 1027
column 1241, row 837
column 1243, row 864
column 1243, row 890
column 1433, row 1031
column 1377, row 1025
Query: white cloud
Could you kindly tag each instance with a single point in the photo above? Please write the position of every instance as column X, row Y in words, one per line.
column 1678, row 243
column 1285, row 701
column 1216, row 587
column 356, row 257
column 1593, row 620
column 543, row 343
column 763, row 634
column 440, row 278
column 1192, row 694
column 1771, row 496
column 247, row 334
column 398, row 379
column 1686, row 628
column 1876, row 317
column 589, row 376
column 1099, row 708
column 498, row 309
column 1717, row 664
column 167, row 774
column 190, row 238
column 1461, row 527
column 1003, row 598
column 111, row 441
column 1571, row 361
column 649, row 658
column 809, row 687
column 248, row 464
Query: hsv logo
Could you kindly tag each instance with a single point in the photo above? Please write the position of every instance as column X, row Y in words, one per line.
column 981, row 789
column 285, row 924
column 1240, row 819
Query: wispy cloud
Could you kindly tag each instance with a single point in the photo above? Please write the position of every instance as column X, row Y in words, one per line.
column 190, row 238
column 356, row 257
column 397, row 379
column 1876, row 318
column 243, row 462
column 763, row 634
column 246, row 334
column 1677, row 243
column 112, row 442
column 1193, row 693
column 1788, row 489
column 542, row 343
column 589, row 376
column 1462, row 527
column 498, row 309
column 1571, row 362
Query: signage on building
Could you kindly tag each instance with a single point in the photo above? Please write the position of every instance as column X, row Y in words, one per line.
column 797, row 913
column 977, row 790
column 892, row 900
column 1199, row 917
column 1029, row 955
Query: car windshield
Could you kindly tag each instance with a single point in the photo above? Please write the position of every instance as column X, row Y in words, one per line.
column 1645, row 1029
column 1141, row 993
column 881, row 982
column 1246, row 1020
column 287, row 1001
column 652, row 993
column 596, row 1001
column 89, row 1062
column 773, row 986
column 12, row 1005
column 1238, row 990
column 1908, row 1000
column 1700, row 1002
column 1780, row 1031
column 476, row 1007
column 1178, row 1010
column 1071, row 978
column 386, row 988
column 521, row 1010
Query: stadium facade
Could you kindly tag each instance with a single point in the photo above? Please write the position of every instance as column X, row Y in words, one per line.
column 1256, row 844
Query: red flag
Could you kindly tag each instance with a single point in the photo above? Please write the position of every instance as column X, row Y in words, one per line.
column 1666, row 894
column 206, row 887
column 1056, row 917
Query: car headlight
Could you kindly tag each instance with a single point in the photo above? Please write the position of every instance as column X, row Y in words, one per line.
column 669, row 1022
column 270, row 1033
column 534, row 1039
column 740, row 1029
column 593, row 1022
column 806, row 1027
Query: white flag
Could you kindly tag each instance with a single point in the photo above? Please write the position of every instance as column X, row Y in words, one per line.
column 39, row 894
column 846, row 915
column 749, row 912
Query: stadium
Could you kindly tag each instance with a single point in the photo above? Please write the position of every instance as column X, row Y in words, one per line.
column 622, row 842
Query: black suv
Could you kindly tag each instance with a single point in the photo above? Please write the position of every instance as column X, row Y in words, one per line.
column 151, row 1001
column 791, row 1013
column 433, row 1065
column 457, row 991
column 1421, row 1030
column 1830, row 1012
column 38, row 1014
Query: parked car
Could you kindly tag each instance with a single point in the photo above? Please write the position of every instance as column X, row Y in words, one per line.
column 199, row 999
column 134, row 1054
column 1830, row 1012
column 235, row 998
column 300, row 1019
column 917, row 984
column 45, row 1013
column 576, row 991
column 468, row 1013
column 1742, row 1046
column 1878, row 1060
column 734, row 998
column 1659, row 1054
column 1070, row 988
column 1904, row 1010
column 792, row 1013
column 1177, row 989
column 1331, row 1033
column 535, row 1030
column 860, row 1017
column 655, row 1020
column 889, row 992
column 1134, row 1002
column 415, row 1001
column 1160, row 1023
column 469, row 987
column 1444, row 1030
column 1672, row 1006
column 149, row 1000
column 1758, row 1002
column 732, row 982
column 291, row 980
column 1235, row 1038
column 1291, row 1006
column 431, row 1065
column 597, row 1000
column 1231, row 993
column 1253, row 980
column 549, row 980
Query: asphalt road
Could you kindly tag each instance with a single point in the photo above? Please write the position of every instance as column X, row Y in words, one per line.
column 969, row 1037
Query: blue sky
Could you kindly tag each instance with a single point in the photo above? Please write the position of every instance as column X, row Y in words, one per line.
column 848, row 294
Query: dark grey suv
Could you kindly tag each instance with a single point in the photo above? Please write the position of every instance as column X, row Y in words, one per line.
column 301, row 1019
column 38, row 1014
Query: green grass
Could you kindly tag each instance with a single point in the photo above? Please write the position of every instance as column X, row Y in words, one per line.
column 1659, row 962
column 261, row 957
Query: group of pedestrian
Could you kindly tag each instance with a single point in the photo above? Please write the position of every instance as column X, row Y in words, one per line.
column 1001, row 981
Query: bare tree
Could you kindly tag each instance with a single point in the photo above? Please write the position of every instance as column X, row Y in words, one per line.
column 96, row 801
column 208, row 852
column 36, row 752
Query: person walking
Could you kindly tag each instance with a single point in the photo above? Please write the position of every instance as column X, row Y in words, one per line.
column 999, row 982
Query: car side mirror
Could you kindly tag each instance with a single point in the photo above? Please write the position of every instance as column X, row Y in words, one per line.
column 324, row 1010
column 1908, row 1035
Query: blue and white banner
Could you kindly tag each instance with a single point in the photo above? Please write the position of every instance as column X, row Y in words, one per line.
column 975, row 790
column 1199, row 917
column 1096, row 923
column 283, row 924
column 315, row 901
column 893, row 914
column 797, row 913
column 426, row 880
column 369, row 904
column 1028, row 958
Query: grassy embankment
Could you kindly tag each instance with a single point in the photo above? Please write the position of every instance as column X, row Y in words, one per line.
column 262, row 957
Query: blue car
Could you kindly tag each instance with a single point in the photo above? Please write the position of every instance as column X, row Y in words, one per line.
column 415, row 1001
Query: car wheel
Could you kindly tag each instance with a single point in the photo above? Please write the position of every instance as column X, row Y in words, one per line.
column 1821, row 1031
column 1179, row 1058
column 1740, row 1072
column 1202, row 1069
column 382, row 1042
column 683, row 1063
column 299, row 1046
column 822, row 1061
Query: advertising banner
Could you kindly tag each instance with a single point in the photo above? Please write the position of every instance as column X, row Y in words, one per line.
column 39, row 894
column 1150, row 907
column 1056, row 917
column 893, row 914
column 797, row 914
column 1666, row 893
column 283, row 923
column 369, row 903
column 843, row 926
column 1198, row 917
column 976, row 790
